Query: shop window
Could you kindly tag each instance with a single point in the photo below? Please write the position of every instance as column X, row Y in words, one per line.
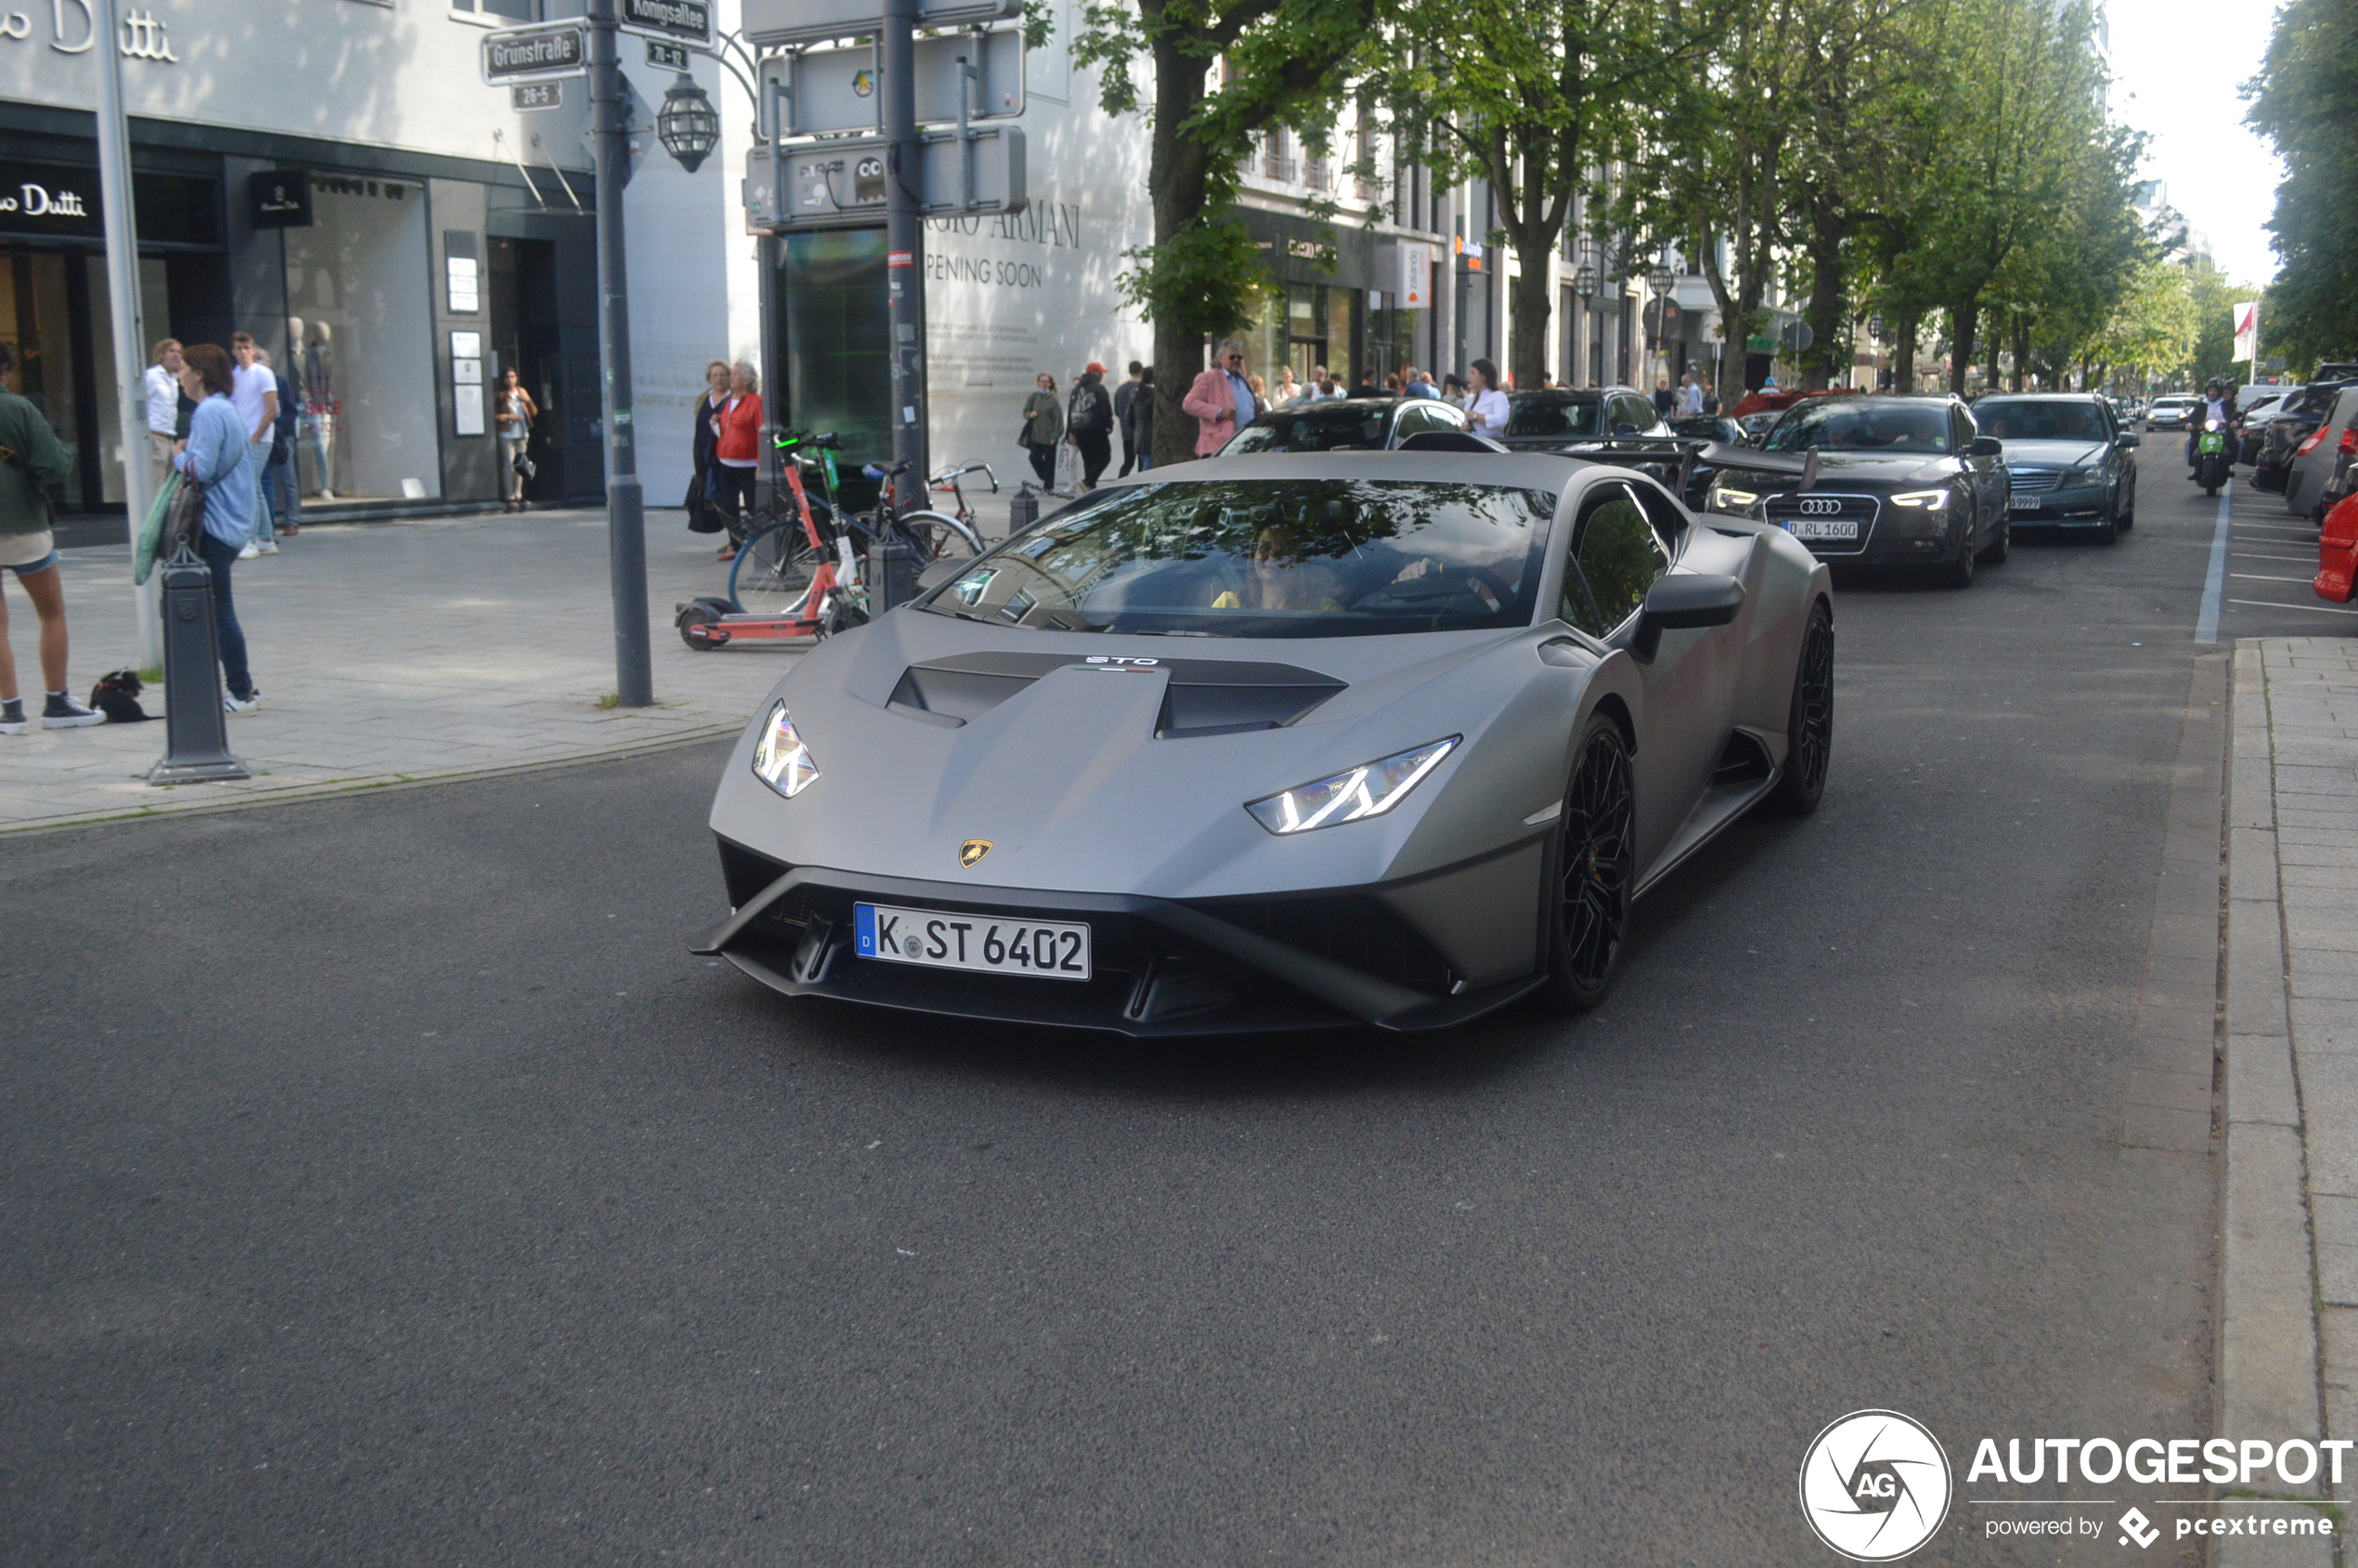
column 361, row 342
column 507, row 10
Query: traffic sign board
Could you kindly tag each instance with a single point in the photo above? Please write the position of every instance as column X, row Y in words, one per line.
column 847, row 183
column 671, row 56
column 809, row 21
column 527, row 95
column 685, row 22
column 831, row 91
column 536, row 53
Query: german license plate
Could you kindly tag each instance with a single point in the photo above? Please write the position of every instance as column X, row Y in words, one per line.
column 2024, row 503
column 1824, row 527
column 994, row 945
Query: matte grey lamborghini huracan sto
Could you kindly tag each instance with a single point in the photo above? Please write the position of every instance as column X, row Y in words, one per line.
column 1279, row 742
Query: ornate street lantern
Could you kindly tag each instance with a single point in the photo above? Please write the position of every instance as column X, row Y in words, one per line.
column 688, row 125
column 1584, row 281
column 1662, row 279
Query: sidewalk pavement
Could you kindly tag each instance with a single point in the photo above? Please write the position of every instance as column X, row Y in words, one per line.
column 2288, row 1323
column 387, row 653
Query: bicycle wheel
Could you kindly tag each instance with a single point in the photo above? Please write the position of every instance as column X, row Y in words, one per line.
column 939, row 537
column 772, row 574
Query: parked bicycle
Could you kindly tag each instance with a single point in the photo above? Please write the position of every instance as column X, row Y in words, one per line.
column 774, row 567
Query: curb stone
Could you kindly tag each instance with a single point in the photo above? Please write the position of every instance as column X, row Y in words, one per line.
column 2269, row 1375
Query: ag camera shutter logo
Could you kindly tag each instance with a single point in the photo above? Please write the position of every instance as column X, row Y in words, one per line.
column 1876, row 1486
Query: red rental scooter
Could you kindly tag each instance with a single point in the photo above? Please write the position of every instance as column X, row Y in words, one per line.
column 833, row 602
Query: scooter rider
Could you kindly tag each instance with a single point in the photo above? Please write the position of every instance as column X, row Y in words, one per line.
column 2218, row 403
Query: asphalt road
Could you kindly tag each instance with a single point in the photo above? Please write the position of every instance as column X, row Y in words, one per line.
column 383, row 1183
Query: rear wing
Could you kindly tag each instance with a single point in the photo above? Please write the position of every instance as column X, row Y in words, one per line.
column 1657, row 451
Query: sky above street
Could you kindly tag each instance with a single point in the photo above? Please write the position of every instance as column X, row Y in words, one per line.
column 2176, row 66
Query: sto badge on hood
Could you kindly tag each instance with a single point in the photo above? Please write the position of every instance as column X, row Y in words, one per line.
column 971, row 852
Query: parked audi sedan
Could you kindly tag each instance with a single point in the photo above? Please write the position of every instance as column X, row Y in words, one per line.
column 1341, row 425
column 1899, row 481
column 2066, row 460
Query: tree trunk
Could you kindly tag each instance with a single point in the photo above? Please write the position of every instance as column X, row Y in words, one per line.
column 1530, row 313
column 1997, row 357
column 2022, row 347
column 1903, row 364
column 1176, row 185
column 1963, row 320
column 1824, row 310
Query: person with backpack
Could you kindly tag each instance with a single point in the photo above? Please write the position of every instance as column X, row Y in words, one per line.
column 31, row 459
column 1124, row 397
column 1089, row 424
column 1140, row 428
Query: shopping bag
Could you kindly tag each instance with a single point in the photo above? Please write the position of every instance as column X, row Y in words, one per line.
column 1068, row 469
column 143, row 549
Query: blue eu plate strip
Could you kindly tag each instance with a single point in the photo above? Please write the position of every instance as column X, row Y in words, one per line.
column 863, row 926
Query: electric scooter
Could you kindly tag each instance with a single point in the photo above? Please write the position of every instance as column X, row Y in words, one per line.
column 834, row 601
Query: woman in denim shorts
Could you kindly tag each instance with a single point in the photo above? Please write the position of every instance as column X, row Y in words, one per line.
column 30, row 460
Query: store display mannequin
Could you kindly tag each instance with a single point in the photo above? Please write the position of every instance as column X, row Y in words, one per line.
column 315, row 378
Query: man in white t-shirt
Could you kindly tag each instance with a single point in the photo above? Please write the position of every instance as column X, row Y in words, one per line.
column 159, row 390
column 255, row 391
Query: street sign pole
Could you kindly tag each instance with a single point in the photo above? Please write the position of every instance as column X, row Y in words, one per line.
column 123, row 304
column 626, row 511
column 904, row 248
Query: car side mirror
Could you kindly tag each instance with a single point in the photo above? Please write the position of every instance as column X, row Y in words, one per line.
column 1984, row 446
column 1682, row 602
column 2128, row 438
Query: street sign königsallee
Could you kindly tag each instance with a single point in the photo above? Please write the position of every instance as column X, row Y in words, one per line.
column 831, row 91
column 843, row 184
column 685, row 22
column 805, row 21
column 536, row 54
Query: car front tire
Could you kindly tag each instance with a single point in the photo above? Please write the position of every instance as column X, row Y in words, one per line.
column 1593, row 871
column 1809, row 723
column 1957, row 571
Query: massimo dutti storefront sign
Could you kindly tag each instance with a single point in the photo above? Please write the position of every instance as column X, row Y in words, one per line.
column 59, row 201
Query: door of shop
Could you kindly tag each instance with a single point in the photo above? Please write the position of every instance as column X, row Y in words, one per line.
column 526, row 337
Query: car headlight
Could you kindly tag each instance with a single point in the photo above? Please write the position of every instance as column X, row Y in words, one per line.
column 1369, row 790
column 781, row 760
column 1934, row 499
column 1728, row 499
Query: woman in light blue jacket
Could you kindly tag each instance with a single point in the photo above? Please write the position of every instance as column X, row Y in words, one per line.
column 214, row 455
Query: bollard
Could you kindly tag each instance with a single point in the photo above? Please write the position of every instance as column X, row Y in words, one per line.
column 196, row 733
column 1024, row 510
column 892, row 574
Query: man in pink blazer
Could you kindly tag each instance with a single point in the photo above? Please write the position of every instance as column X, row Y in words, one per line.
column 1222, row 400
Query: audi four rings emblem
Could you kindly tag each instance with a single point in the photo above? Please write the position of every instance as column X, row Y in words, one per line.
column 1820, row 506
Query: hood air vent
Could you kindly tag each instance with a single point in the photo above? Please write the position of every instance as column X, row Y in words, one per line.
column 1204, row 696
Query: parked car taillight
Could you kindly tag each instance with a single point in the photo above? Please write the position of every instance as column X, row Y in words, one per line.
column 2349, row 446
column 2309, row 445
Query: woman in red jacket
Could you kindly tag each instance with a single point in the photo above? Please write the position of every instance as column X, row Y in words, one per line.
column 737, row 453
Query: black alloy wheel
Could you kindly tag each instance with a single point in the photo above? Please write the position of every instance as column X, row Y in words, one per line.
column 1810, row 727
column 2000, row 547
column 2125, row 508
column 1595, row 871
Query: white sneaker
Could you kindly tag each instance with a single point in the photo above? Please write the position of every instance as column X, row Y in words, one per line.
column 62, row 712
column 248, row 553
column 232, row 703
column 267, row 547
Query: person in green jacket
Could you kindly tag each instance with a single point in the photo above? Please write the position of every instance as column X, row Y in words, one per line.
column 30, row 460
column 1043, row 426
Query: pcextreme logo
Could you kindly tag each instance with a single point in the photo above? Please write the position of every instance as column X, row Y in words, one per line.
column 1876, row 1486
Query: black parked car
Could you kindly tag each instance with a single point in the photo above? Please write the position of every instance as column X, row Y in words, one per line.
column 2297, row 418
column 1337, row 424
column 2066, row 459
column 1900, row 480
column 1708, row 427
column 1551, row 420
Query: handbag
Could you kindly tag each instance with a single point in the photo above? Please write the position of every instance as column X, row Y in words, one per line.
column 701, row 518
column 183, row 520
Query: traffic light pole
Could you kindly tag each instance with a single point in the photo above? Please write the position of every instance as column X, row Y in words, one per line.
column 904, row 249
column 626, row 504
column 120, row 220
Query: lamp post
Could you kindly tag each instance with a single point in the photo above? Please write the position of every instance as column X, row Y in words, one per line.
column 119, row 221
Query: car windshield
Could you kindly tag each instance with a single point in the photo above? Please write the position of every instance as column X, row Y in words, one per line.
column 1863, row 427
column 1315, row 430
column 1268, row 558
column 1546, row 415
column 2029, row 420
